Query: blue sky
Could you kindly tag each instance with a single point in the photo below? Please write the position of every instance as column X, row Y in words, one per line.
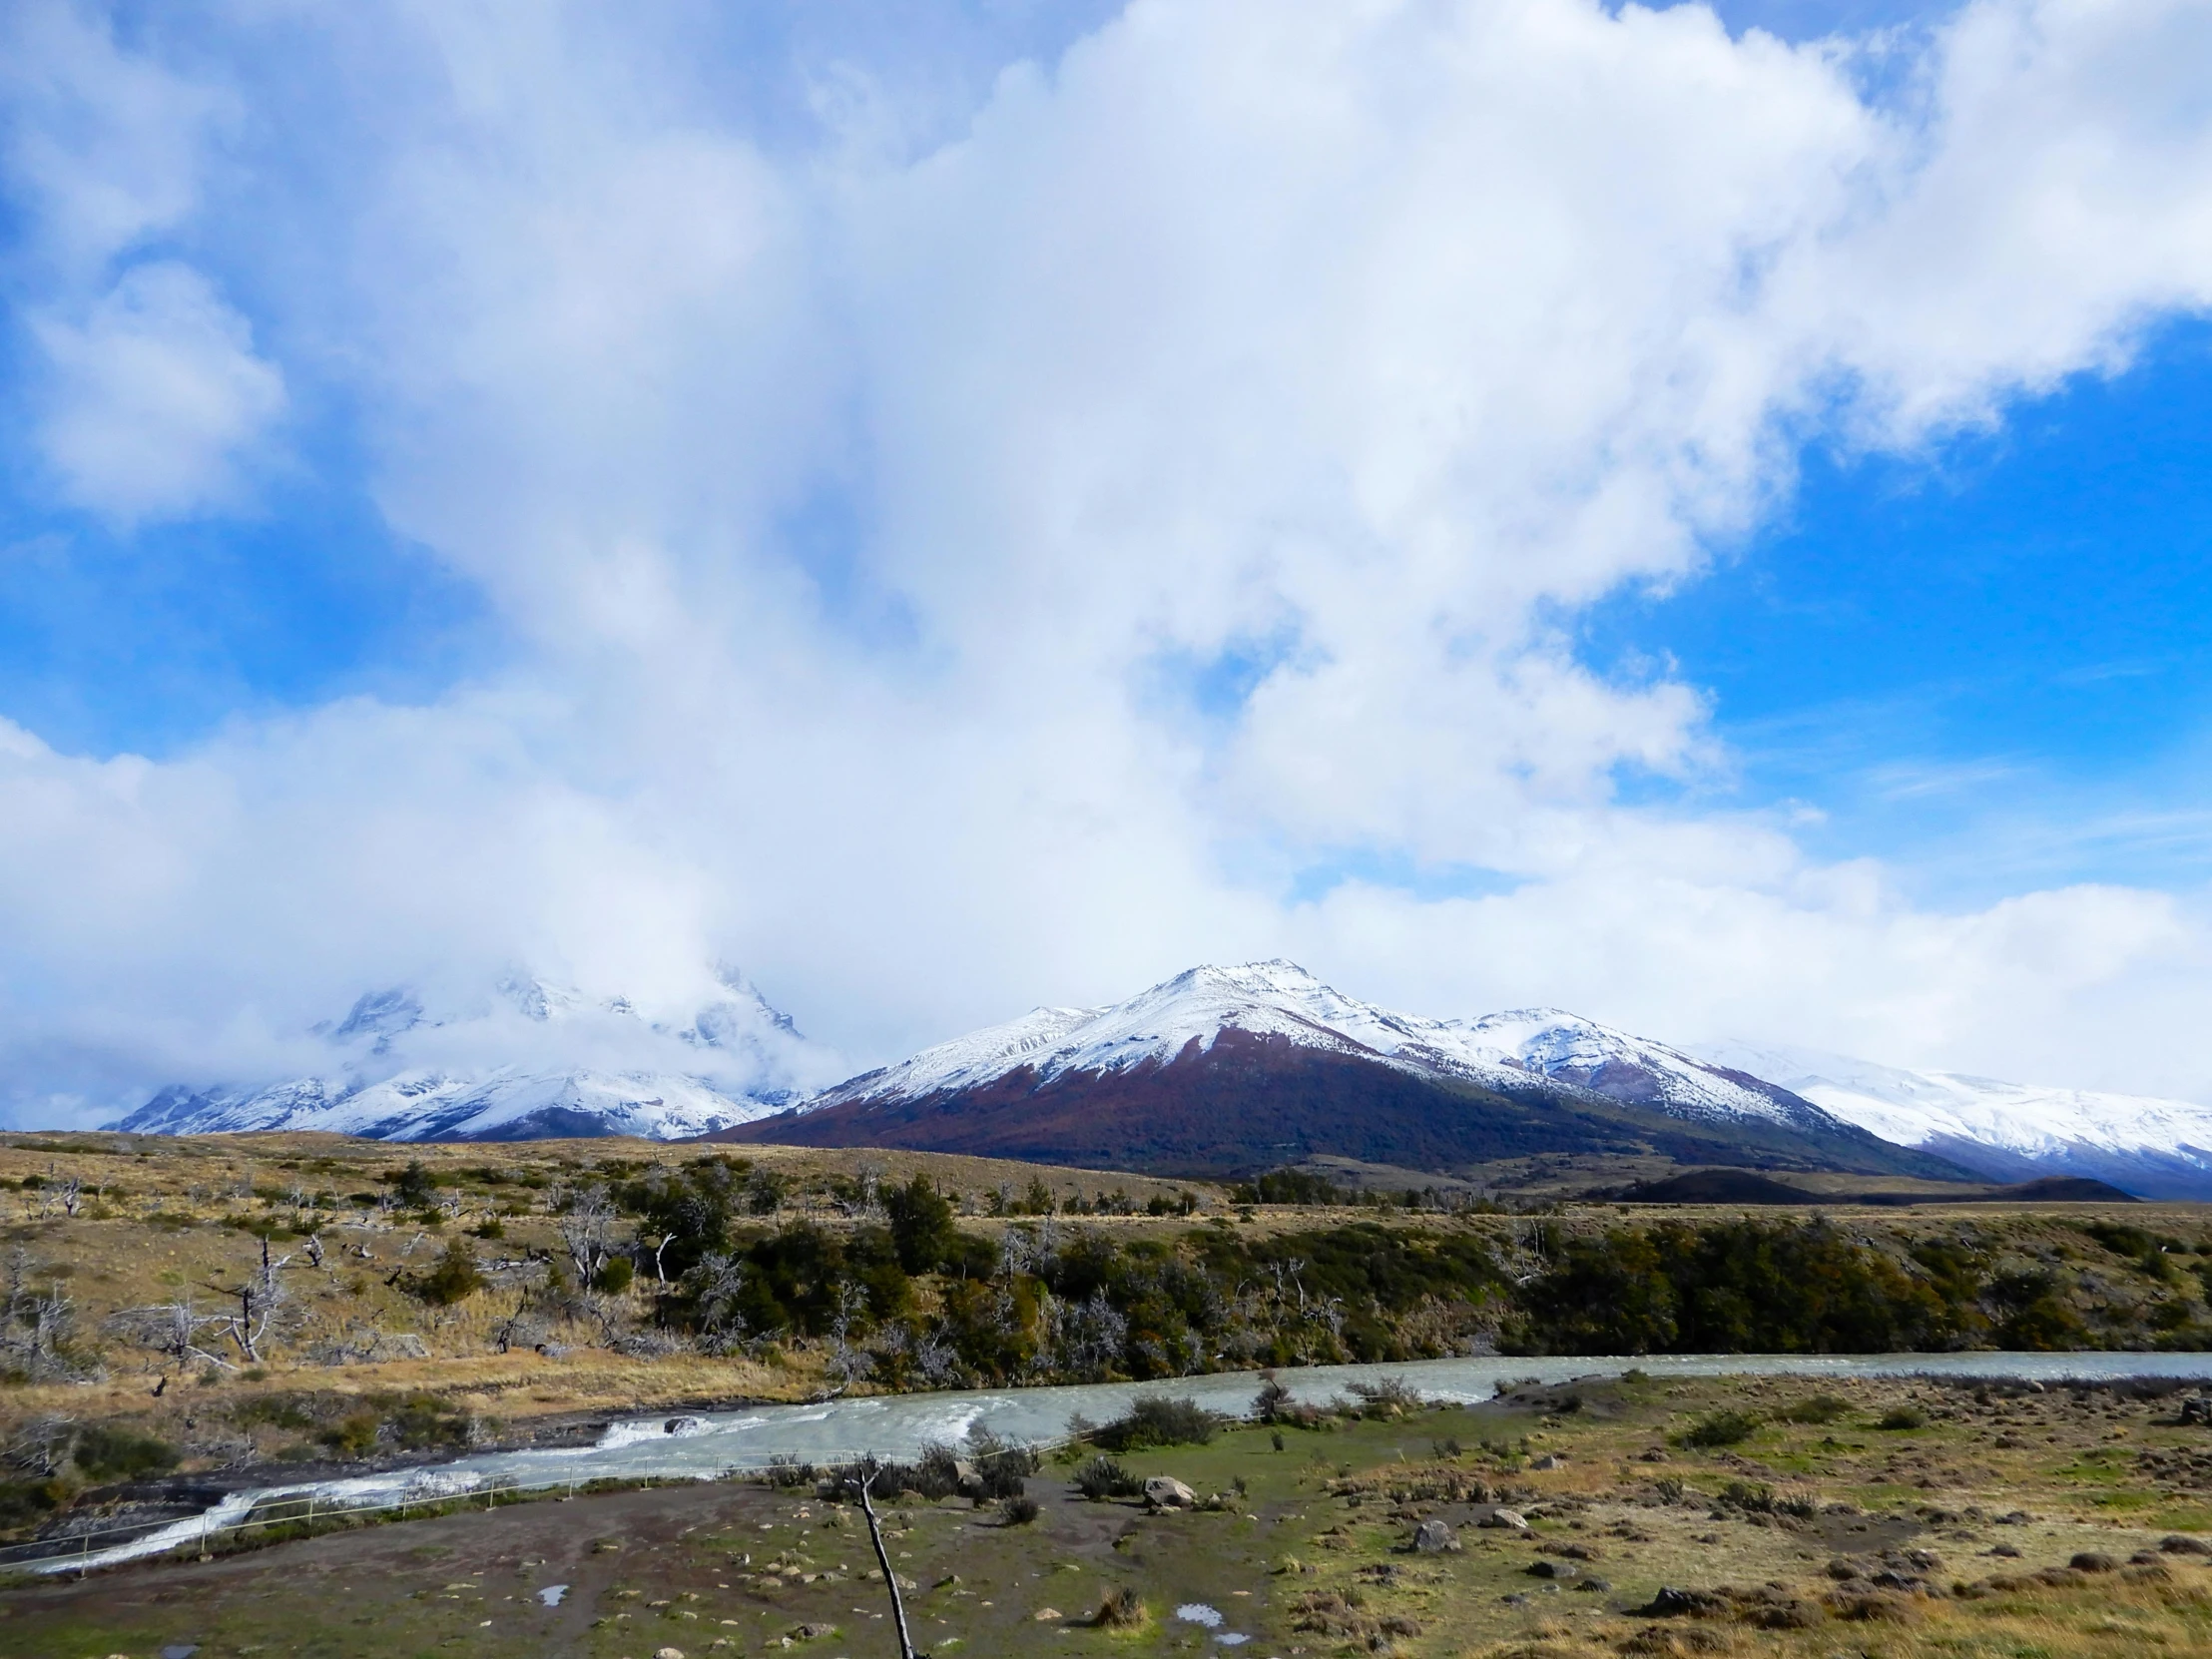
column 1977, row 660
column 957, row 507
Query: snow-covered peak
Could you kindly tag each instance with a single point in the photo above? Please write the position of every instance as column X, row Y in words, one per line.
column 531, row 1057
column 1629, row 1068
column 1281, row 999
column 1917, row 1108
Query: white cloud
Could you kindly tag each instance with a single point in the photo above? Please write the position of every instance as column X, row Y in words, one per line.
column 847, row 506
column 154, row 393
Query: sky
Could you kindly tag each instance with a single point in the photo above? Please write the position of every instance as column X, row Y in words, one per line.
column 1696, row 517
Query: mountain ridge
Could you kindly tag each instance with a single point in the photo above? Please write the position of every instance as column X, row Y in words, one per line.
column 1224, row 1069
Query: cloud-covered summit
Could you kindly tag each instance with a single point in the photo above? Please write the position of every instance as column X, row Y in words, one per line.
column 1138, row 518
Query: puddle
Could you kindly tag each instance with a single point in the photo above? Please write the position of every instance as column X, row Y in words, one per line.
column 1197, row 1612
column 552, row 1593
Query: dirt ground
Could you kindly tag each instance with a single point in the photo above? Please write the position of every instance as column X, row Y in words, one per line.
column 1951, row 1539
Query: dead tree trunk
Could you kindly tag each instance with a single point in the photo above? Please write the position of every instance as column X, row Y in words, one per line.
column 883, row 1560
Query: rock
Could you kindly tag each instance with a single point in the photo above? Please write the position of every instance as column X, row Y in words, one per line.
column 2015, row 1517
column 1593, row 1583
column 966, row 1477
column 2176, row 1544
column 1549, row 1460
column 1164, row 1491
column 1553, row 1569
column 1511, row 1520
column 2091, row 1560
column 2197, row 1408
column 1048, row 1615
column 1435, row 1537
column 1672, row 1603
column 670, row 1654
column 2012, row 1550
column 682, row 1425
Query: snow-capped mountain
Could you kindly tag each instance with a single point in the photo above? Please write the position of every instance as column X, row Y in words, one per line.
column 1236, row 1067
column 1281, row 999
column 2011, row 1131
column 535, row 1059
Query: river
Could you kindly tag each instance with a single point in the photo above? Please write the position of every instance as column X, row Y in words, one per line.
column 705, row 1445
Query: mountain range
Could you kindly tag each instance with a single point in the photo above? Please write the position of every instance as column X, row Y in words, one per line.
column 2009, row 1131
column 584, row 1066
column 1222, row 1070
column 1219, row 1070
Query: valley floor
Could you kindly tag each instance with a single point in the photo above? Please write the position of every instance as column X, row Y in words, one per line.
column 1903, row 1520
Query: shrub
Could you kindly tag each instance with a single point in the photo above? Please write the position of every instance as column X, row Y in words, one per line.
column 1000, row 1464
column 1102, row 1478
column 1721, row 1428
column 415, row 1187
column 922, row 1226
column 614, row 1276
column 1017, row 1511
column 1120, row 1610
column 453, row 1279
column 119, row 1455
column 1902, row 1416
column 1158, row 1420
column 353, row 1436
column 1820, row 1409
column 1388, row 1397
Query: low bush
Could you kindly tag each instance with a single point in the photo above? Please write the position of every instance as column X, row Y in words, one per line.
column 1120, row 1609
column 1017, row 1511
column 1902, row 1418
column 1158, row 1420
column 119, row 1455
column 1721, row 1428
column 1102, row 1478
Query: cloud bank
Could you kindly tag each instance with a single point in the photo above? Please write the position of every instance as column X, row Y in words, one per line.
column 1142, row 527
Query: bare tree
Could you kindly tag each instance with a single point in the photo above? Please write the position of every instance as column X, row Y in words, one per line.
column 860, row 1484
column 172, row 1328
column 587, row 1231
column 717, row 1284
column 261, row 1299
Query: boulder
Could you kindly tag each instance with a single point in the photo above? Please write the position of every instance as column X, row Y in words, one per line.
column 1673, row 1604
column 1560, row 1571
column 1511, row 1520
column 1435, row 1537
column 1164, row 1491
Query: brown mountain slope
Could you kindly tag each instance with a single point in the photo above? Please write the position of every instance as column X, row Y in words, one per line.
column 1252, row 1102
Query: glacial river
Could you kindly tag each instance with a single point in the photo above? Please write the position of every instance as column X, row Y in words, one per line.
column 705, row 1445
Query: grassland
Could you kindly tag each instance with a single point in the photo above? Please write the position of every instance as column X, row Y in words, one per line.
column 2007, row 1524
column 373, row 1362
